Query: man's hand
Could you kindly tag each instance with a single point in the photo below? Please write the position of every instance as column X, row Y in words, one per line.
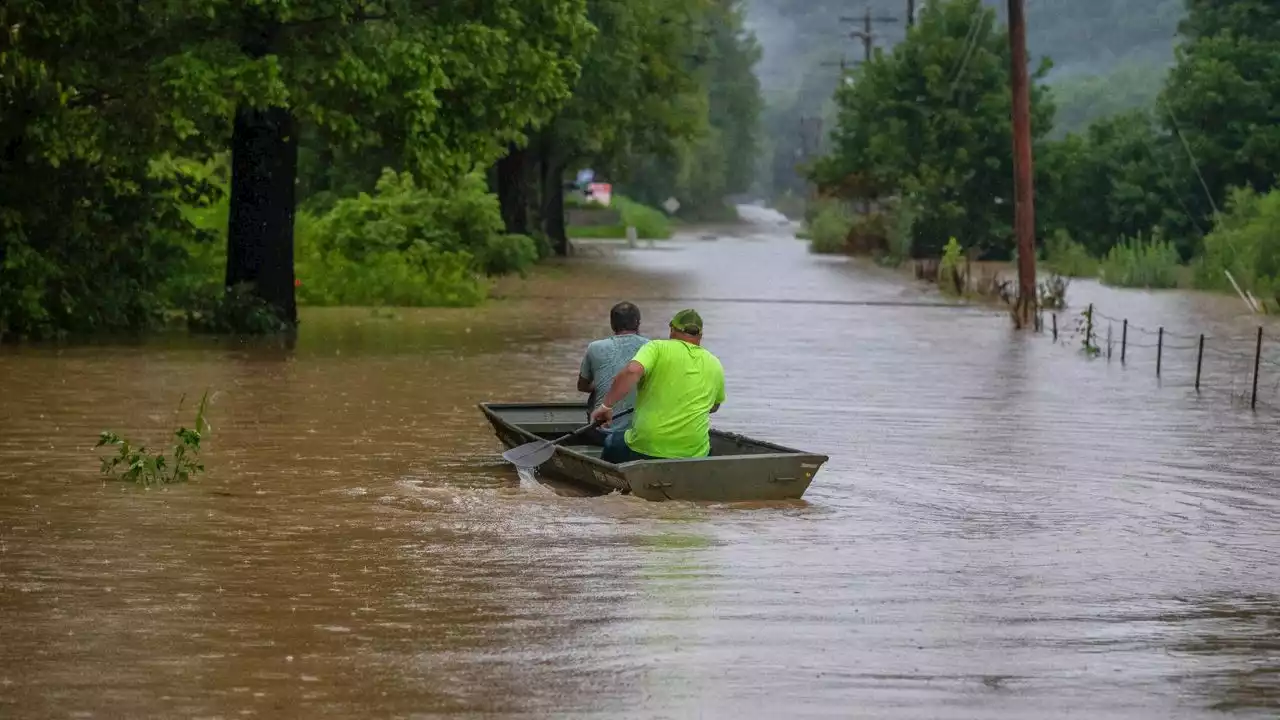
column 602, row 416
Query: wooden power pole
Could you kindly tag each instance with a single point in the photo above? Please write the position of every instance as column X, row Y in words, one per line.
column 1024, row 222
column 865, row 35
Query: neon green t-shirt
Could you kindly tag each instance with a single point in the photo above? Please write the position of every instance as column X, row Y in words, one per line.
column 681, row 382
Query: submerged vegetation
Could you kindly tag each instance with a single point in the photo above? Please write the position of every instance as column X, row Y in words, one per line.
column 136, row 464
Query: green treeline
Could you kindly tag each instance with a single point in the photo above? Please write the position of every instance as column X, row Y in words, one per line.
column 1108, row 55
column 924, row 131
column 224, row 160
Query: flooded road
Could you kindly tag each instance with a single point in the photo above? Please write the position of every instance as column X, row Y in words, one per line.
column 1004, row 530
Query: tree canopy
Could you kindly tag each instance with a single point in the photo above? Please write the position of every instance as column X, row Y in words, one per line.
column 930, row 121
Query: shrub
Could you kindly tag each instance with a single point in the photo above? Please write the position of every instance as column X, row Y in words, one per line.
column 829, row 229
column 407, row 245
column 232, row 310
column 951, row 268
column 1140, row 263
column 505, row 254
column 421, row 275
column 1245, row 241
column 1067, row 257
column 900, row 229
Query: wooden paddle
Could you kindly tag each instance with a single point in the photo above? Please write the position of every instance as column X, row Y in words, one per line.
column 531, row 455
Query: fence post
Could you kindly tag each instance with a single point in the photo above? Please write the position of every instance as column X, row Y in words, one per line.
column 1159, row 349
column 1257, row 363
column 1055, row 327
column 1088, row 327
column 1199, row 361
column 1108, row 340
column 1124, row 340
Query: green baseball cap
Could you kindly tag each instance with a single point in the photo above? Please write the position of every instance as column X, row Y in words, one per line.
column 687, row 321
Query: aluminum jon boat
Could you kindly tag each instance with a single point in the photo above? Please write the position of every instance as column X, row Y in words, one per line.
column 739, row 469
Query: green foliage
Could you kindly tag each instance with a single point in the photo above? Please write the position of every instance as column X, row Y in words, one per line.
column 407, row 245
column 1065, row 256
column 1088, row 333
column 719, row 158
column 1086, row 98
column 1245, row 242
column 1141, row 263
column 138, row 465
column 828, row 231
column 931, row 119
column 799, row 70
column 235, row 310
column 1223, row 95
column 901, row 228
column 96, row 98
column 951, row 267
column 650, row 224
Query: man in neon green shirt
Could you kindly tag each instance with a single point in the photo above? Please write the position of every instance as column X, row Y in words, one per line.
column 681, row 384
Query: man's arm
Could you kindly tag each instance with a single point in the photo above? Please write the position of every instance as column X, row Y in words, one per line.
column 719, row 394
column 624, row 383
column 585, row 383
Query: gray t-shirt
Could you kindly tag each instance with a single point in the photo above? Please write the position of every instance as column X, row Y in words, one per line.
column 604, row 359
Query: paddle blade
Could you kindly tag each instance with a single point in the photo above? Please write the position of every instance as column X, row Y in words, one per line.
column 530, row 455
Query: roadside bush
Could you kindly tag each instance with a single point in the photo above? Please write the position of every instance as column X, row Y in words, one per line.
column 1067, row 257
column 419, row 275
column 951, row 278
column 1245, row 241
column 407, row 245
column 828, row 231
column 900, row 232
column 1140, row 263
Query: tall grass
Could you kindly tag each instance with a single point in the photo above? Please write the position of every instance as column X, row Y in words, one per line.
column 650, row 223
column 1139, row 263
column 1068, row 258
column 901, row 232
column 828, row 228
column 1245, row 241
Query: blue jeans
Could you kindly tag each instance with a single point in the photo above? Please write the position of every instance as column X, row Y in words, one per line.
column 617, row 451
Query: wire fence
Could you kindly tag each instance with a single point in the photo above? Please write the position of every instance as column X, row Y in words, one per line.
column 1245, row 366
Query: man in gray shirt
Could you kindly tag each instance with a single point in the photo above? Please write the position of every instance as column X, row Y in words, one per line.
column 606, row 358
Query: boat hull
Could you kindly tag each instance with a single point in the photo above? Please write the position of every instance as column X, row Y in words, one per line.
column 739, row 469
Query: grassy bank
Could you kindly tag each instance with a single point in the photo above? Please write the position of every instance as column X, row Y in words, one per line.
column 650, row 223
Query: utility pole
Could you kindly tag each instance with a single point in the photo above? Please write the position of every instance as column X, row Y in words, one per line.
column 1024, row 221
column 911, row 13
column 865, row 35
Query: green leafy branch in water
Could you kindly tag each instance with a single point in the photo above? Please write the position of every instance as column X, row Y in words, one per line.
column 1089, row 341
column 141, row 466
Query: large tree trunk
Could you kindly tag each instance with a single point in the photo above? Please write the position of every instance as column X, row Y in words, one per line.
column 512, row 190
column 553, row 214
column 264, row 168
column 552, row 181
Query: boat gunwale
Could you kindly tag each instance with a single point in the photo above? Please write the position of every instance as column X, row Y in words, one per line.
column 491, row 410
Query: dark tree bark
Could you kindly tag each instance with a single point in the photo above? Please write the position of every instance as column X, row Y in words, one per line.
column 512, row 190
column 551, row 180
column 553, row 213
column 264, row 168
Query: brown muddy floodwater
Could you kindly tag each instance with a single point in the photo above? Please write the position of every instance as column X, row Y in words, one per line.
column 1005, row 528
